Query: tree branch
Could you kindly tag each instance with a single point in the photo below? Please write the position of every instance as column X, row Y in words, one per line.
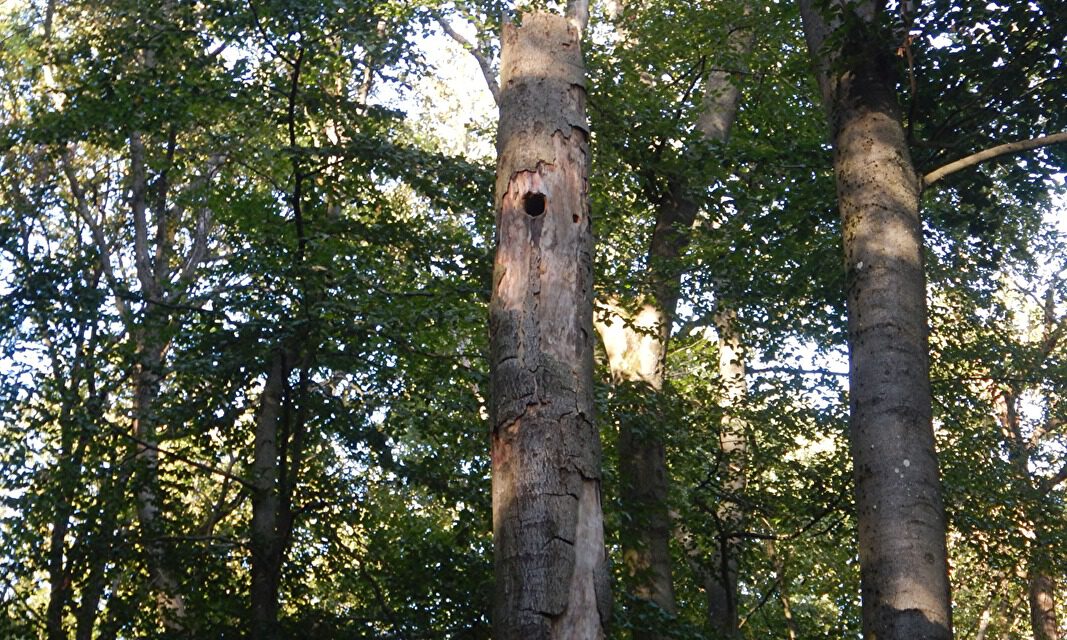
column 990, row 153
column 1056, row 480
column 81, row 205
column 248, row 484
column 139, row 205
column 578, row 14
column 487, row 69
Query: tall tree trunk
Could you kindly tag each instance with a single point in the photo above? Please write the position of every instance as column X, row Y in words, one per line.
column 733, row 442
column 900, row 516
column 170, row 602
column 636, row 344
column 270, row 515
column 550, row 561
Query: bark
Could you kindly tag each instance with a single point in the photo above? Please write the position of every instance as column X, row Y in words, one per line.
column 900, row 515
column 170, row 603
column 636, row 349
column 722, row 594
column 636, row 345
column 271, row 516
column 550, row 560
column 985, row 155
column 1042, row 597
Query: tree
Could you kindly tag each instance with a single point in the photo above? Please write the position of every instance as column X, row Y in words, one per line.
column 636, row 334
column 551, row 565
column 898, row 496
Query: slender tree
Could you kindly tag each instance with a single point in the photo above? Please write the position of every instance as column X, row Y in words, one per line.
column 636, row 335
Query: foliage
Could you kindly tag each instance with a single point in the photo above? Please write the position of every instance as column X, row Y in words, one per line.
column 303, row 184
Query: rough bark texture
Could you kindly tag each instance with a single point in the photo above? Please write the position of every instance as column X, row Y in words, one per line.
column 900, row 516
column 551, row 565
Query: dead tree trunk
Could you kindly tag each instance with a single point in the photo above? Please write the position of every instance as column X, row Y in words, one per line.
column 900, row 516
column 551, row 565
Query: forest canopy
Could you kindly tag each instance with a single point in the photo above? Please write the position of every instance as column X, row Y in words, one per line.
column 466, row 319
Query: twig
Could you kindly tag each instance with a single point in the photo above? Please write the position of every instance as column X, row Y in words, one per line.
column 203, row 466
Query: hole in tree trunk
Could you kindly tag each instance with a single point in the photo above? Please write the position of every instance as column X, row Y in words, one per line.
column 533, row 204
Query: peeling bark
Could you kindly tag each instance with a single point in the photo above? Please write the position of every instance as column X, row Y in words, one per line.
column 551, row 566
column 900, row 515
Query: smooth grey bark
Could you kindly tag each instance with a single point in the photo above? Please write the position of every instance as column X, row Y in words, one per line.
column 550, row 562
column 636, row 344
column 900, row 515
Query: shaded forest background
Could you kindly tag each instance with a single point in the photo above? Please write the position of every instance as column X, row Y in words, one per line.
column 245, row 266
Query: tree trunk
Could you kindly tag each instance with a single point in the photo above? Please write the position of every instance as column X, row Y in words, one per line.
column 270, row 521
column 636, row 345
column 551, row 566
column 169, row 601
column 900, row 516
column 722, row 595
column 1042, row 596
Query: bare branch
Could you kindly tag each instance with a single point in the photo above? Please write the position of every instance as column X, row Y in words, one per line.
column 199, row 248
column 81, row 205
column 487, row 68
column 578, row 14
column 990, row 153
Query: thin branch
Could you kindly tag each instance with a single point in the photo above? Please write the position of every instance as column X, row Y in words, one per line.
column 81, row 205
column 578, row 14
column 1054, row 481
column 989, row 154
column 203, row 466
column 139, row 205
column 487, row 68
